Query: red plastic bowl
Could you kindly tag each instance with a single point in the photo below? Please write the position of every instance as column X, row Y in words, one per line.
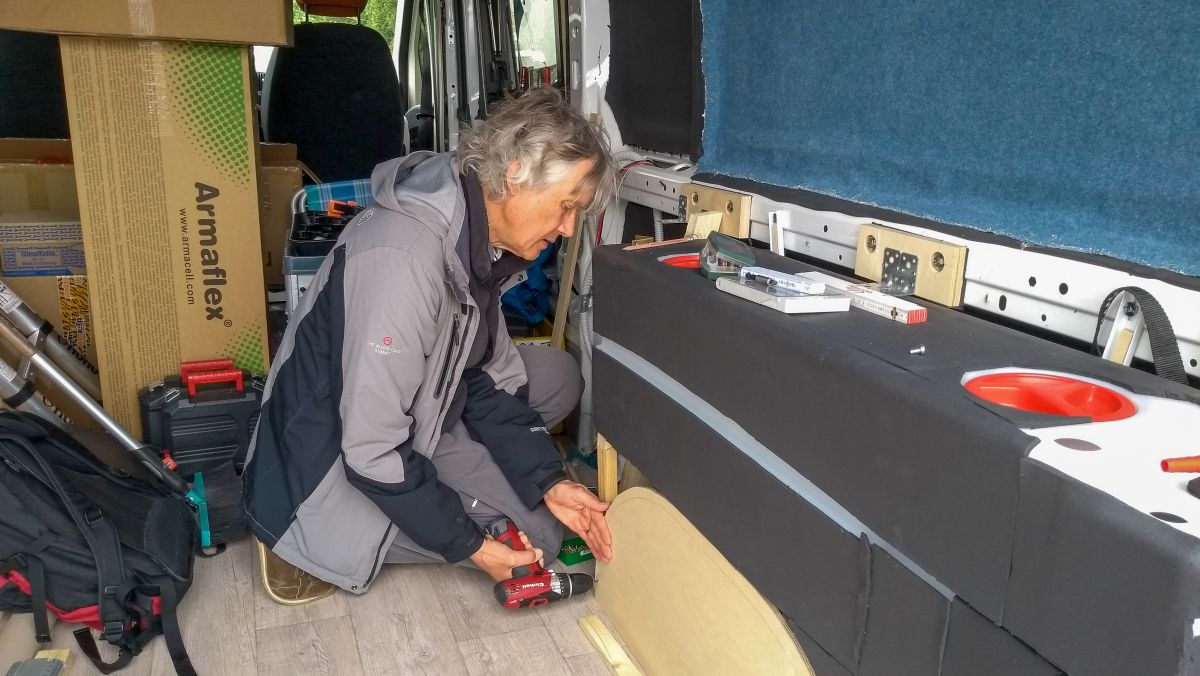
column 690, row 261
column 1052, row 395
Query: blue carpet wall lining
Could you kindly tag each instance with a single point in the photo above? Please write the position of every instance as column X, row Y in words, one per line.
column 1072, row 125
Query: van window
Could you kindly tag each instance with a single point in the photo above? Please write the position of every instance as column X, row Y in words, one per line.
column 537, row 38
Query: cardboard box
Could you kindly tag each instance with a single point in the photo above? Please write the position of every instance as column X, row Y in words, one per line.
column 280, row 177
column 40, row 243
column 63, row 302
column 165, row 166
column 251, row 22
column 36, row 175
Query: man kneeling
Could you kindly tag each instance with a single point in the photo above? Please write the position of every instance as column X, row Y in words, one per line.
column 399, row 419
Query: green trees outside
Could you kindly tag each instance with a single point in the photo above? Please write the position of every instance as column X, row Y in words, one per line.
column 377, row 14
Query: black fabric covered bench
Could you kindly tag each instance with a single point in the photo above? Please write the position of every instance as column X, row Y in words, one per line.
column 893, row 517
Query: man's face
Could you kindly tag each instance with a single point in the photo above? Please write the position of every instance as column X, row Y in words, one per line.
column 529, row 219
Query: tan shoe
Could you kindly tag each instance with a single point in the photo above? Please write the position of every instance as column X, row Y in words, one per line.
column 286, row 583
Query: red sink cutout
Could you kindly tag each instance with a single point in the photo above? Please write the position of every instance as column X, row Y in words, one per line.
column 1052, row 395
column 690, row 261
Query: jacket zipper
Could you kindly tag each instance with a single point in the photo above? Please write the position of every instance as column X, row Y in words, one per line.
column 378, row 552
column 441, row 385
column 458, row 357
column 448, row 376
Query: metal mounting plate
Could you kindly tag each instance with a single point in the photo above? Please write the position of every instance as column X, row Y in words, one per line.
column 899, row 273
column 930, row 268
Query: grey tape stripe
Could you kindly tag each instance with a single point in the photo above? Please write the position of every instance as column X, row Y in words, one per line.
column 741, row 439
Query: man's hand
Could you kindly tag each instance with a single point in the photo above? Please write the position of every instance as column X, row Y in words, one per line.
column 575, row 506
column 496, row 559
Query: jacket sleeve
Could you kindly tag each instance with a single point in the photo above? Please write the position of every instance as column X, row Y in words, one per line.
column 391, row 305
column 514, row 434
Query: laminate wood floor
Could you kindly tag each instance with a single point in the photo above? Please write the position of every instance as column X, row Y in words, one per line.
column 417, row 619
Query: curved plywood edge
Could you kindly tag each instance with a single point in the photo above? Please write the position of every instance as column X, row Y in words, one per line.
column 679, row 605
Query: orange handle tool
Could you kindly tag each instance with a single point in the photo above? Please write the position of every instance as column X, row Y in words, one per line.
column 1187, row 464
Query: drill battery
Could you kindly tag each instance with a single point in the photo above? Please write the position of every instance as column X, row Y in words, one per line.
column 203, row 417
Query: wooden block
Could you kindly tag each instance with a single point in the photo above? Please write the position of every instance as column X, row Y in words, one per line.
column 1121, row 347
column 44, row 663
column 940, row 267
column 606, row 468
column 734, row 207
column 699, row 225
column 679, row 606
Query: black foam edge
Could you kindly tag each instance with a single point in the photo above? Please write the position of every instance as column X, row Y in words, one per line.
column 1101, row 588
column 977, row 647
column 906, row 622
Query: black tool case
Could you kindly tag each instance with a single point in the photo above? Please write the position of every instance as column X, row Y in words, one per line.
column 203, row 417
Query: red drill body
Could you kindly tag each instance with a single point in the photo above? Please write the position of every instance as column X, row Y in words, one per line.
column 532, row 585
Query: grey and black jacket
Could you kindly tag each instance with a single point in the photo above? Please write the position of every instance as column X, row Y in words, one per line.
column 362, row 384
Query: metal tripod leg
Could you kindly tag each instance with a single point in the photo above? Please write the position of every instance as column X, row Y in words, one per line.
column 18, row 393
column 46, row 368
column 39, row 333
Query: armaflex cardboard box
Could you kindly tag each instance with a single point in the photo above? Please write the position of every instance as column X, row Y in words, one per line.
column 162, row 136
column 252, row 22
column 34, row 243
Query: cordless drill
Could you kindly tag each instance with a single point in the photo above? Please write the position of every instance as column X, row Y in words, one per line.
column 532, row 585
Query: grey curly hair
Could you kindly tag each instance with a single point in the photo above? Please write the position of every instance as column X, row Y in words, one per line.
column 545, row 137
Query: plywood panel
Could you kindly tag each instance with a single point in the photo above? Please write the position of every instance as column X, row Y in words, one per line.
column 679, row 606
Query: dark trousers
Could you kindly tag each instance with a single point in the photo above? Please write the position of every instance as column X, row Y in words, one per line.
column 555, row 385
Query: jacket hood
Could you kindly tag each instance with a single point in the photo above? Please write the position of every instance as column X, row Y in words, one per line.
column 423, row 185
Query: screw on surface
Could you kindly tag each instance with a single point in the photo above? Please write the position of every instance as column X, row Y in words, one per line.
column 920, row 349
column 938, row 261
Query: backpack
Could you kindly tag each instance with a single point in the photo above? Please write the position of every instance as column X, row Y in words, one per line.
column 91, row 544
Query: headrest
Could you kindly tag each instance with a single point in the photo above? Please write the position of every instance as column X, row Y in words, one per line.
column 332, row 7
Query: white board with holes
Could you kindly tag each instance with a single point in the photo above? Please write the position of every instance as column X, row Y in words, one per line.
column 1123, row 457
